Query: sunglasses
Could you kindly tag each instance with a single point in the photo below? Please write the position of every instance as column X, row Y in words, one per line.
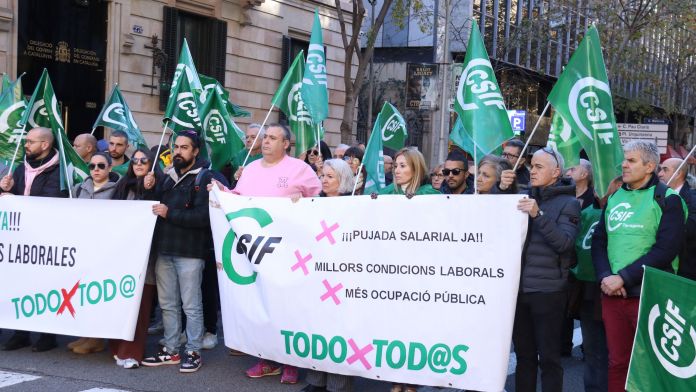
column 455, row 172
column 140, row 161
column 100, row 166
column 313, row 152
column 551, row 152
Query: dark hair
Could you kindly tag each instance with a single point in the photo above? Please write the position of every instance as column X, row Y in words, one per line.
column 104, row 155
column 323, row 148
column 119, row 133
column 286, row 130
column 131, row 182
column 355, row 152
column 192, row 135
column 519, row 144
column 457, row 156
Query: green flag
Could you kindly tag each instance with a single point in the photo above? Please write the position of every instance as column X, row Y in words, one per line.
column 664, row 350
column 563, row 139
column 373, row 161
column 117, row 115
column 392, row 127
column 314, row 83
column 42, row 111
column 11, row 133
column 222, row 136
column 479, row 102
column 212, row 84
column 289, row 99
column 461, row 139
column 583, row 98
column 184, row 84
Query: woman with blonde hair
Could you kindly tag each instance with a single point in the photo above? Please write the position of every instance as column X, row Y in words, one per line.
column 410, row 175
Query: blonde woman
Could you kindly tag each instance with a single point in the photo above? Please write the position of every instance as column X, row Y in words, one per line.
column 410, row 175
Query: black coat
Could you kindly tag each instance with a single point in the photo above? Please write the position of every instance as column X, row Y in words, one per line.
column 186, row 230
column 46, row 184
column 549, row 250
column 687, row 254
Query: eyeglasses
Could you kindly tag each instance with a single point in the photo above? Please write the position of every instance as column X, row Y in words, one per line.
column 140, row 161
column 551, row 152
column 455, row 172
column 313, row 152
column 100, row 166
column 508, row 155
column 438, row 174
column 27, row 141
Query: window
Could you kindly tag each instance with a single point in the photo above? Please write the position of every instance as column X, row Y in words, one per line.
column 207, row 40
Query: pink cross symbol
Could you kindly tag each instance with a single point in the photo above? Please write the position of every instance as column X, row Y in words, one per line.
column 359, row 354
column 326, row 232
column 331, row 292
column 301, row 262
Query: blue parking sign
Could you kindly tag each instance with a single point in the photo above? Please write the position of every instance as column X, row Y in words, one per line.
column 518, row 120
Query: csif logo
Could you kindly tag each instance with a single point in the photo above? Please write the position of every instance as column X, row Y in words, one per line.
column 587, row 240
column 619, row 215
column 215, row 126
column 115, row 114
column 674, row 348
column 187, row 104
column 298, row 110
column 476, row 77
column 589, row 102
column 254, row 248
column 392, row 127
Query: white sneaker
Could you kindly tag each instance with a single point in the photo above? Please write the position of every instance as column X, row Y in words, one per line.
column 130, row 363
column 182, row 340
column 209, row 341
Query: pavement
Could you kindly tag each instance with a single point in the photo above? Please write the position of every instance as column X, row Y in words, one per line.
column 62, row 370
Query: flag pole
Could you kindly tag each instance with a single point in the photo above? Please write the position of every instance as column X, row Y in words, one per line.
column 355, row 184
column 475, row 167
column 14, row 157
column 681, row 164
column 61, row 151
column 319, row 141
column 529, row 139
column 159, row 145
column 257, row 135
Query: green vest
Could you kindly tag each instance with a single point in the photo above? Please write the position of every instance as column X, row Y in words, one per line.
column 121, row 169
column 584, row 270
column 632, row 219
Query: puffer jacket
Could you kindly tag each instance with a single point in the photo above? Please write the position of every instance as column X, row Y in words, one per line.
column 549, row 249
column 85, row 190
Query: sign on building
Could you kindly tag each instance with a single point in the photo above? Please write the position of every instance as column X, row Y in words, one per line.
column 656, row 133
column 518, row 120
column 421, row 86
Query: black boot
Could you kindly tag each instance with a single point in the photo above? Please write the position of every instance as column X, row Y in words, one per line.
column 18, row 340
column 47, row 341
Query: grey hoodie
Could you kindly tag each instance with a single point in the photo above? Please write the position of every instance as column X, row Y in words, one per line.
column 85, row 190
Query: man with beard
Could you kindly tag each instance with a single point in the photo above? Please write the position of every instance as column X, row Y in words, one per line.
column 183, row 241
column 456, row 171
column 118, row 144
column 38, row 176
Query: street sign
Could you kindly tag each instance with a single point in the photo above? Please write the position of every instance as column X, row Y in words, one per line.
column 656, row 133
column 518, row 120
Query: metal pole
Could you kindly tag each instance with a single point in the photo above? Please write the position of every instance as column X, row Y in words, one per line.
column 530, row 137
column 370, row 98
column 444, row 92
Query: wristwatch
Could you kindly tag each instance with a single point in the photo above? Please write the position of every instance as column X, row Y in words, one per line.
column 539, row 213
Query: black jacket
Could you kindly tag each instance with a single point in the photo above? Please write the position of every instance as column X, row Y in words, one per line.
column 46, row 184
column 186, row 230
column 687, row 254
column 469, row 190
column 549, row 250
column 664, row 250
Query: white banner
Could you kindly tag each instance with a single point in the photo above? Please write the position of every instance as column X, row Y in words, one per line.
column 73, row 266
column 420, row 291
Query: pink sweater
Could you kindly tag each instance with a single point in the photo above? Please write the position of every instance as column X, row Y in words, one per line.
column 288, row 177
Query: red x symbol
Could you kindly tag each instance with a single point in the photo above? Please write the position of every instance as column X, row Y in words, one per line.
column 66, row 300
column 359, row 354
column 331, row 292
column 326, row 232
column 301, row 262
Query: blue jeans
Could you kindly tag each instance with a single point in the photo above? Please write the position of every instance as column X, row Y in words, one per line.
column 179, row 282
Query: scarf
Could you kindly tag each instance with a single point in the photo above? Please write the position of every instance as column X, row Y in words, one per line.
column 30, row 172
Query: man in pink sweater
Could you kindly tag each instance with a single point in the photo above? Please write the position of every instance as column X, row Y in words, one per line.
column 276, row 174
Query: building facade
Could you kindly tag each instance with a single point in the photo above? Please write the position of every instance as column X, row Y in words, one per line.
column 90, row 45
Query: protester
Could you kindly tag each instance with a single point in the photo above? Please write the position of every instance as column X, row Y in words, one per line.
column 354, row 157
column 337, row 180
column 388, row 169
column 138, row 184
column 183, row 240
column 554, row 215
column 38, row 176
column 512, row 151
column 118, row 145
column 436, row 176
column 490, row 171
column 85, row 146
column 251, row 142
column 280, row 175
column 410, row 175
column 340, row 150
column 647, row 232
column 585, row 295
column 456, row 172
column 687, row 254
column 101, row 183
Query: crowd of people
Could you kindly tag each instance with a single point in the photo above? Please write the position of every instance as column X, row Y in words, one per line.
column 562, row 276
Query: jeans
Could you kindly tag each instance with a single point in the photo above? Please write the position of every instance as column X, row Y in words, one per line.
column 620, row 317
column 594, row 343
column 537, row 338
column 179, row 282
